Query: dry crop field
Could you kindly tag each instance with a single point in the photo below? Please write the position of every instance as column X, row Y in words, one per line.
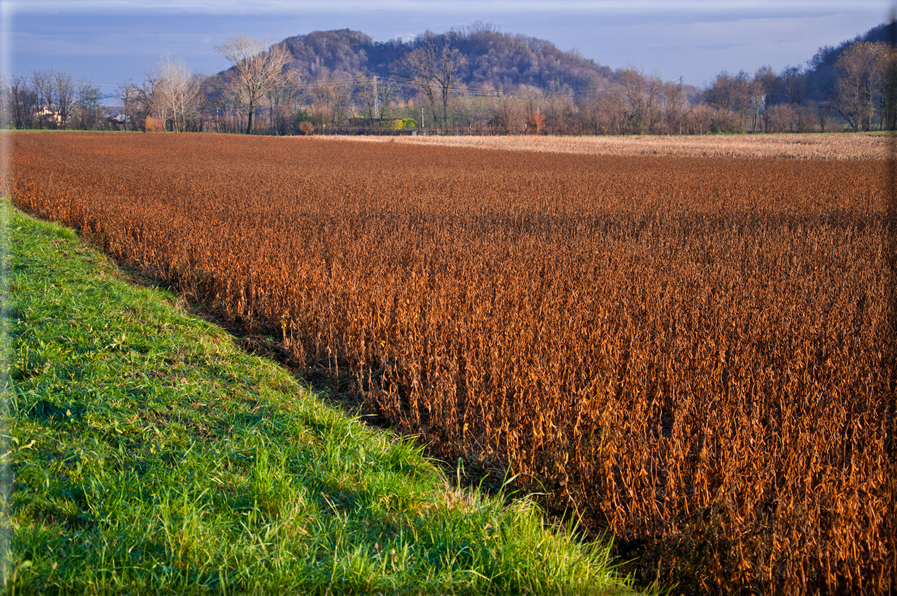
column 792, row 146
column 687, row 352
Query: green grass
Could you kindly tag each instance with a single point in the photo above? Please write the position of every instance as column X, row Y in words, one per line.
column 150, row 455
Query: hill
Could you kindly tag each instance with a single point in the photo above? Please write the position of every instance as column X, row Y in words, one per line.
column 494, row 60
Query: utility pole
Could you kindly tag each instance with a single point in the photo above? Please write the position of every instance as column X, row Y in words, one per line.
column 376, row 98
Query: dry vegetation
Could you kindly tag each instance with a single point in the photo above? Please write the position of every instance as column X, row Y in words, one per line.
column 814, row 146
column 688, row 352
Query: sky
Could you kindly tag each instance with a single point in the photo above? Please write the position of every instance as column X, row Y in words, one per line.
column 110, row 42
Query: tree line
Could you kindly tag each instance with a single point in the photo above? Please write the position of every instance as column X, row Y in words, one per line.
column 50, row 99
column 862, row 95
column 436, row 84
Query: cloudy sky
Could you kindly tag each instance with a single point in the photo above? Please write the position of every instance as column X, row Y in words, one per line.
column 112, row 41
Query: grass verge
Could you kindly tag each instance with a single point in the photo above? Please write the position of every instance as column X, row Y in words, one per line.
column 149, row 454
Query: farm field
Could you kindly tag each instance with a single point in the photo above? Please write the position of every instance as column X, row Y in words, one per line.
column 151, row 455
column 687, row 352
column 792, row 146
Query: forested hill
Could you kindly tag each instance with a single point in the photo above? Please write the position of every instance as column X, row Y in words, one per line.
column 821, row 67
column 827, row 56
column 497, row 60
column 494, row 60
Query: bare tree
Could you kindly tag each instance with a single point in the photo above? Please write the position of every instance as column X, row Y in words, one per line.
column 560, row 113
column 64, row 88
column 55, row 93
column 415, row 70
column 699, row 118
column 431, row 69
column 256, row 68
column 780, row 117
column 508, row 115
column 88, row 104
column 889, row 90
column 472, row 111
column 602, row 110
column 227, row 100
column 23, row 102
column 169, row 93
column 145, row 99
column 283, row 100
column 130, row 95
column 533, row 99
column 795, row 84
column 641, row 94
column 860, row 81
column 674, row 108
column 768, row 86
column 218, row 96
column 42, row 81
column 178, row 92
column 331, row 95
column 735, row 99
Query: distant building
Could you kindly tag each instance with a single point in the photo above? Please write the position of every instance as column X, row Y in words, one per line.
column 52, row 116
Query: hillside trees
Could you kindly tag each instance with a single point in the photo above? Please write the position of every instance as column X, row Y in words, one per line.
column 821, row 72
column 493, row 58
column 256, row 68
column 343, row 51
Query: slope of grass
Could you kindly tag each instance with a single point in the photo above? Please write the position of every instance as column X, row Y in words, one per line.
column 151, row 455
